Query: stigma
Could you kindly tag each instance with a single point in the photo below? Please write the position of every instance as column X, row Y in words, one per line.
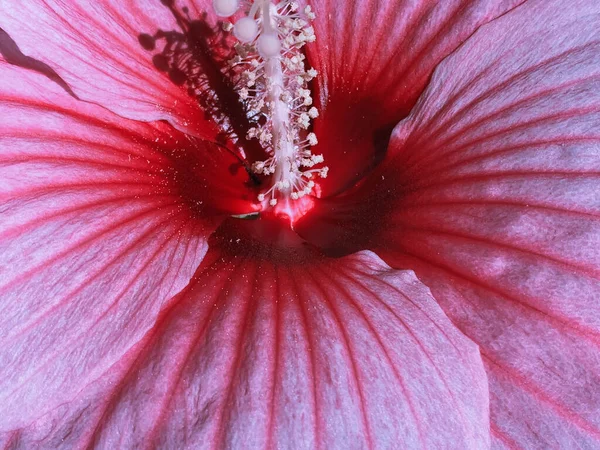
column 271, row 79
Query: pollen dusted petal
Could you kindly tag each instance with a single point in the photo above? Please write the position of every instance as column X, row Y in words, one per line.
column 94, row 236
column 256, row 354
column 374, row 60
column 497, row 209
column 97, row 49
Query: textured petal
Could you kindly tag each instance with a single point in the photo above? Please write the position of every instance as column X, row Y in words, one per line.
column 107, row 53
column 493, row 198
column 375, row 59
column 257, row 353
column 94, row 236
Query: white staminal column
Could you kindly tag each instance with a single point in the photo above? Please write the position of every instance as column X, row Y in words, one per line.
column 283, row 143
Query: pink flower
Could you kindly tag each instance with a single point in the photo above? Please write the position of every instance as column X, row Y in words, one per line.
column 437, row 290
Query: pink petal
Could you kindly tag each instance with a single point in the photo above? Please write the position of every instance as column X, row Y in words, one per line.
column 259, row 354
column 96, row 48
column 493, row 198
column 375, row 59
column 94, row 236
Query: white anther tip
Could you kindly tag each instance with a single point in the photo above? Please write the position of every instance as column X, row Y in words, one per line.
column 225, row 8
column 269, row 45
column 245, row 29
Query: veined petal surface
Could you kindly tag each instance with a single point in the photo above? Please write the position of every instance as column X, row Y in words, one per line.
column 374, row 59
column 491, row 194
column 260, row 353
column 105, row 53
column 95, row 236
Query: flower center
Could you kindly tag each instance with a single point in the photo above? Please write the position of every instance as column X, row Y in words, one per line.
column 272, row 81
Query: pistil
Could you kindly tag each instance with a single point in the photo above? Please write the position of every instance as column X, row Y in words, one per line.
column 271, row 81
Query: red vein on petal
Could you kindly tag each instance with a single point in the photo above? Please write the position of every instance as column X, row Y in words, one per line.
column 67, row 251
column 512, row 128
column 193, row 343
column 102, row 125
column 351, row 356
column 235, row 366
column 31, row 223
column 44, row 138
column 12, row 441
column 575, row 327
column 115, row 39
column 26, row 326
column 419, row 342
column 85, row 119
column 50, row 356
column 510, row 174
column 514, row 105
column 501, row 203
column 138, row 348
column 417, row 56
column 140, row 271
column 539, row 437
column 377, row 336
column 442, row 127
column 67, row 163
column 408, row 299
column 370, row 45
column 537, row 393
column 512, row 445
column 434, row 170
column 311, row 339
column 84, row 186
column 349, row 20
column 277, row 336
column 98, row 49
column 594, row 274
column 170, row 305
column 30, row 157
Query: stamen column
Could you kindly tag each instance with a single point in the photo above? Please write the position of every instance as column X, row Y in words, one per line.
column 272, row 82
column 283, row 143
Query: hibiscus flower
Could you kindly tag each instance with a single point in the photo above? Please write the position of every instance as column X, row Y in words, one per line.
column 438, row 289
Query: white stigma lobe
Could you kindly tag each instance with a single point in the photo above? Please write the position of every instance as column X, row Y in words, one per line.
column 271, row 80
column 225, row 8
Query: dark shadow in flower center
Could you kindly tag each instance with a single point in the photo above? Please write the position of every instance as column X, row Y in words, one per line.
column 194, row 57
column 264, row 237
column 335, row 227
column 353, row 221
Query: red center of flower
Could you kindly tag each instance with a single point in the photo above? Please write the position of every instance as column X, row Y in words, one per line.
column 257, row 165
